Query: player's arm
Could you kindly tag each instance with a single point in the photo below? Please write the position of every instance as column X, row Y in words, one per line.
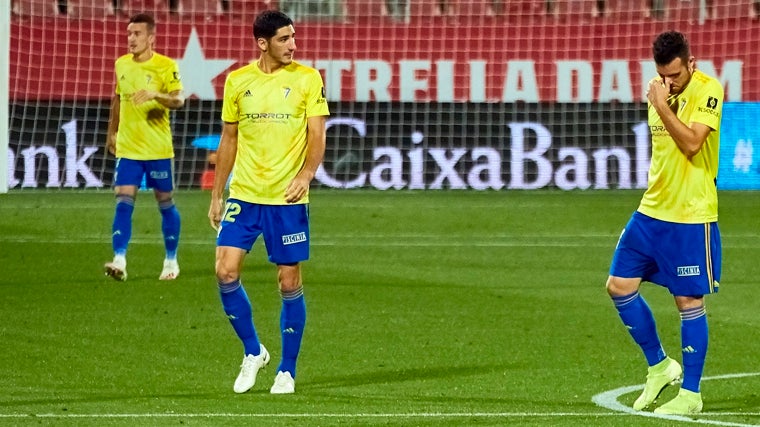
column 172, row 100
column 689, row 138
column 315, row 152
column 113, row 124
column 225, row 159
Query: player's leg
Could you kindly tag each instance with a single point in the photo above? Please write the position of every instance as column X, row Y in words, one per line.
column 694, row 339
column 287, row 241
column 630, row 264
column 636, row 316
column 170, row 228
column 127, row 178
column 239, row 229
column 292, row 323
column 639, row 320
column 694, row 348
column 697, row 251
column 160, row 177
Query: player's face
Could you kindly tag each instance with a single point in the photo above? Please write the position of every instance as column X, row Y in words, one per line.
column 677, row 73
column 139, row 39
column 281, row 47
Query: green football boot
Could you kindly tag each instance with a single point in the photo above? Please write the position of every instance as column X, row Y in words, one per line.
column 686, row 403
column 661, row 375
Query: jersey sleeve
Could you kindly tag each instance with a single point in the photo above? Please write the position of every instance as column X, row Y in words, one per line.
column 230, row 106
column 709, row 105
column 116, row 76
column 172, row 79
column 316, row 101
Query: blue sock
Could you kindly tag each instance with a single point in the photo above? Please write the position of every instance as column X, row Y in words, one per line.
column 694, row 346
column 170, row 227
column 122, row 223
column 292, row 322
column 637, row 317
column 237, row 306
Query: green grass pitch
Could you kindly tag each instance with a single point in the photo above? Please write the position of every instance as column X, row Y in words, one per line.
column 424, row 309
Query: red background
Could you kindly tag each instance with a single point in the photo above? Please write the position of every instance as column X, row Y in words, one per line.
column 60, row 58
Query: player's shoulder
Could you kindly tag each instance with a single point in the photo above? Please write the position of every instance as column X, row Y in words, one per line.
column 299, row 68
column 162, row 60
column 245, row 70
column 123, row 59
column 703, row 86
column 706, row 80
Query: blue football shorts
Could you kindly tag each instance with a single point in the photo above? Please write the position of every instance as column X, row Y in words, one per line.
column 685, row 258
column 285, row 229
column 159, row 174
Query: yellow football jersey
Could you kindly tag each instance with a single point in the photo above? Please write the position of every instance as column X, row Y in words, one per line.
column 144, row 130
column 271, row 111
column 680, row 189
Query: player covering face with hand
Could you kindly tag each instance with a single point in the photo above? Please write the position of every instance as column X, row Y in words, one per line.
column 672, row 239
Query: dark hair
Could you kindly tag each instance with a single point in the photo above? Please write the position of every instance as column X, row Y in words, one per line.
column 669, row 46
column 143, row 18
column 268, row 22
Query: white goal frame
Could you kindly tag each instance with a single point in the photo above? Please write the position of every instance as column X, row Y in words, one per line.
column 5, row 71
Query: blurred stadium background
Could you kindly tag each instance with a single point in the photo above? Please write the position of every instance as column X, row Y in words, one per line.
column 424, row 94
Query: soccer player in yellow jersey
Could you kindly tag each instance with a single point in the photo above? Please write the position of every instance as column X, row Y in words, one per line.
column 148, row 85
column 672, row 239
column 273, row 140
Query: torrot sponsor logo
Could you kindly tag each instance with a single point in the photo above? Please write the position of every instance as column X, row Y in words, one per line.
column 258, row 116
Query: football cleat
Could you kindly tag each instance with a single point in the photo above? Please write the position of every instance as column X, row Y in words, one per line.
column 661, row 375
column 116, row 269
column 170, row 271
column 249, row 369
column 686, row 403
column 283, row 384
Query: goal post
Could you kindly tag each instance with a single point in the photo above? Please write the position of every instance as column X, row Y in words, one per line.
column 5, row 36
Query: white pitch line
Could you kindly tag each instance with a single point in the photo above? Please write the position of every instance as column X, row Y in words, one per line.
column 329, row 415
column 358, row 415
column 609, row 400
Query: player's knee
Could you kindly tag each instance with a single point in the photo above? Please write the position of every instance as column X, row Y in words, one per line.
column 226, row 276
column 618, row 287
column 165, row 203
column 166, row 200
column 289, row 277
column 225, row 272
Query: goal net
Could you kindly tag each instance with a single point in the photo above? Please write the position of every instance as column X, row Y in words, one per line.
column 424, row 94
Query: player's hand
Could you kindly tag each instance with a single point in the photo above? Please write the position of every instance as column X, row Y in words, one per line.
column 111, row 144
column 658, row 91
column 297, row 189
column 215, row 212
column 143, row 96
